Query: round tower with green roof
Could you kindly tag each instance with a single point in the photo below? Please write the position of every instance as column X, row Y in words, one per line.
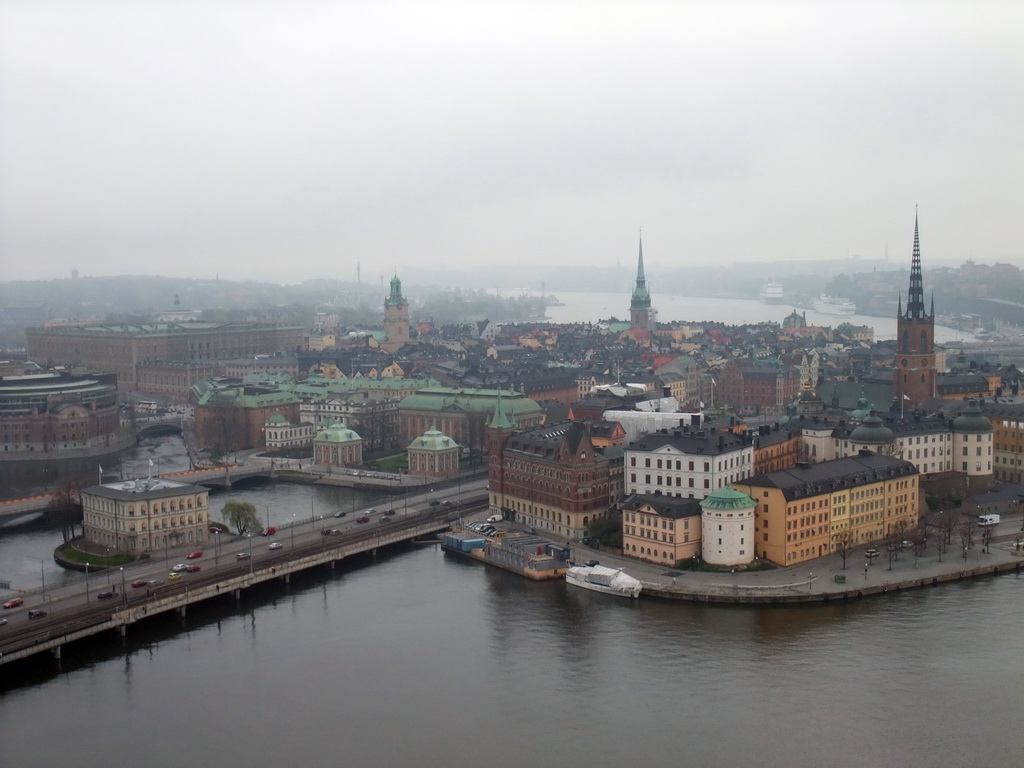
column 727, row 527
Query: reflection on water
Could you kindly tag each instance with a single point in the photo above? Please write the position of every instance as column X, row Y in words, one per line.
column 423, row 659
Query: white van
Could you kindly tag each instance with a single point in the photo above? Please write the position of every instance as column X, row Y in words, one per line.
column 988, row 519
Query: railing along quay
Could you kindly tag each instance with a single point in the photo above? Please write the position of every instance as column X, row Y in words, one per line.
column 54, row 631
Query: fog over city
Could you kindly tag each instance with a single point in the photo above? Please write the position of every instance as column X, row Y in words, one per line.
column 290, row 140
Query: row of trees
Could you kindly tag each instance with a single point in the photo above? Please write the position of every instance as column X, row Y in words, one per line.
column 937, row 530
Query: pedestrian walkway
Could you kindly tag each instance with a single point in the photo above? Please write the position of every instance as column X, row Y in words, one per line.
column 817, row 581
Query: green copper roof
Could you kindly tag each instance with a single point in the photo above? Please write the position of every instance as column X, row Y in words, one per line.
column 641, row 297
column 468, row 399
column 395, row 298
column 433, row 440
column 337, row 433
column 971, row 419
column 727, row 498
column 871, row 432
column 500, row 419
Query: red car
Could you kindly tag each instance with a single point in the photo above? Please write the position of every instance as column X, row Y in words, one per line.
column 192, row 568
column 139, row 583
column 363, row 519
column 268, row 531
column 14, row 603
column 194, row 555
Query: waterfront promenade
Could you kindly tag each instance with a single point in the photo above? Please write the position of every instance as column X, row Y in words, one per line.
column 816, row 582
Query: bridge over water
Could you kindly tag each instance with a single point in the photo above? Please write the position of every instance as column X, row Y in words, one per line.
column 225, row 579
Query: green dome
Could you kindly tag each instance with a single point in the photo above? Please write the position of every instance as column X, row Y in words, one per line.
column 871, row 432
column 337, row 433
column 433, row 440
column 971, row 419
column 727, row 498
column 277, row 419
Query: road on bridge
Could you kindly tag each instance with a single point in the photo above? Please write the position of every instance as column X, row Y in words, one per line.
column 80, row 601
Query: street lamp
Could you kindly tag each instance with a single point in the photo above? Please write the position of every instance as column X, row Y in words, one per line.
column 249, row 537
column 293, row 531
column 87, row 598
column 810, row 580
column 124, row 594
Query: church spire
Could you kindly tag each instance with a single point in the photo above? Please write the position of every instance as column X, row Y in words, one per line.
column 915, row 296
column 641, row 296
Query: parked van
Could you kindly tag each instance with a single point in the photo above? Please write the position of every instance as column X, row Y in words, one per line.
column 988, row 519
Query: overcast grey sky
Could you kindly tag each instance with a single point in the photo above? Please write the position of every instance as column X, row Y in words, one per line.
column 287, row 140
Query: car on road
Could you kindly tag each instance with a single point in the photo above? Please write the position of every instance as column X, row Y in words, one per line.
column 193, row 568
column 106, row 593
column 370, row 511
column 871, row 553
column 276, row 545
column 268, row 531
column 194, row 555
column 339, row 513
column 434, row 503
column 139, row 583
column 153, row 582
column 494, row 519
column 36, row 613
column 14, row 602
column 173, row 575
column 592, row 563
column 388, row 513
column 363, row 519
column 326, row 532
column 178, row 568
column 242, row 556
column 2, row 622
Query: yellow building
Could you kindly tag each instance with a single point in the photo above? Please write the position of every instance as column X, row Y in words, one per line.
column 146, row 514
column 804, row 513
column 660, row 529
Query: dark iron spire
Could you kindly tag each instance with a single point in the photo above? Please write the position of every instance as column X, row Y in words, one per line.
column 915, row 296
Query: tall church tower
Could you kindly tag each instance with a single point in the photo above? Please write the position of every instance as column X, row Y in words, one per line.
column 396, row 317
column 640, row 305
column 914, row 377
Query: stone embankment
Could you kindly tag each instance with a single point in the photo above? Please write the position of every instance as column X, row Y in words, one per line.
column 825, row 580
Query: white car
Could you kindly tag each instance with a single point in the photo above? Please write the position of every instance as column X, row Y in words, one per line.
column 178, row 568
column 276, row 545
column 494, row 519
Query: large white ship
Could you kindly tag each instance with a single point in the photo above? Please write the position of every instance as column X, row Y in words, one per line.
column 599, row 578
column 771, row 293
column 834, row 305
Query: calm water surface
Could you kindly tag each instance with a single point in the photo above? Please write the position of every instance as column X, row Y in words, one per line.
column 418, row 659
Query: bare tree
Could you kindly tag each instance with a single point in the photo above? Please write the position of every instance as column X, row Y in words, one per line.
column 844, row 541
column 65, row 507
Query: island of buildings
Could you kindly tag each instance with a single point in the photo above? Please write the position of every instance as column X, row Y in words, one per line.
column 774, row 442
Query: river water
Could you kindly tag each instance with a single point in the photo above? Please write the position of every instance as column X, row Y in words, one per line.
column 583, row 307
column 418, row 659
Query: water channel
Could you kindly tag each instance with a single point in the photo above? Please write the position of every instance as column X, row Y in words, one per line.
column 417, row 659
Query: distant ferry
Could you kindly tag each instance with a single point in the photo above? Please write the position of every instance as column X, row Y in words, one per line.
column 834, row 305
column 771, row 293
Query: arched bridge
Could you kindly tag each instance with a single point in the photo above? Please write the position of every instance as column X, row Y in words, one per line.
column 158, row 426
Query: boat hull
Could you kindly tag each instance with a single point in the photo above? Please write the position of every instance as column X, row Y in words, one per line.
column 631, row 593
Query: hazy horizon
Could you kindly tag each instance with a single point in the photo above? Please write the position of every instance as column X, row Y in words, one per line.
column 288, row 141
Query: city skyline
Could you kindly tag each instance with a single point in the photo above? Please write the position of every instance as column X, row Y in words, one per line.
column 285, row 142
